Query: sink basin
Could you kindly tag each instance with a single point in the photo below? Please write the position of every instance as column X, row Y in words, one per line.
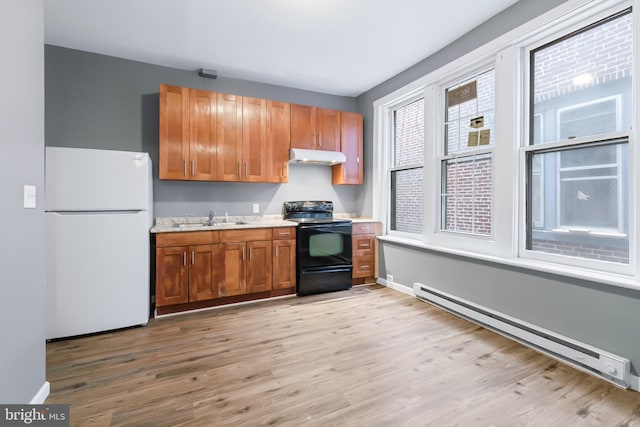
column 206, row 224
column 190, row 224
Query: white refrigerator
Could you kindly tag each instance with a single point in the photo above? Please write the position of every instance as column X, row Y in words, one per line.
column 98, row 212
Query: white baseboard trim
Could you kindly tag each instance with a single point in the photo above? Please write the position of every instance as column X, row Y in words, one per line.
column 635, row 383
column 41, row 395
column 396, row 286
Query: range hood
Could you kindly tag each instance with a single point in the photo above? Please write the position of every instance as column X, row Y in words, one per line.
column 316, row 157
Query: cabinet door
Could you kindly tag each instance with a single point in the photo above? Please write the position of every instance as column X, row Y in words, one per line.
column 232, row 268
column 254, row 139
column 284, row 264
column 229, row 137
column 203, row 277
column 202, row 134
column 350, row 172
column 363, row 244
column 172, row 276
column 328, row 129
column 363, row 266
column 174, row 132
column 278, row 141
column 259, row 266
column 303, row 126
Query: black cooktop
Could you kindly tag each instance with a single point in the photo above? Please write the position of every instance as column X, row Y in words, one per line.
column 311, row 212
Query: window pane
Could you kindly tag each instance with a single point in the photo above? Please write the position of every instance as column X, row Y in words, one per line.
column 582, row 83
column 409, row 135
column 470, row 109
column 406, row 204
column 584, row 205
column 467, row 194
column 590, row 119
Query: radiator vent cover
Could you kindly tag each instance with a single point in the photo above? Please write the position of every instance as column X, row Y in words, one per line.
column 613, row 368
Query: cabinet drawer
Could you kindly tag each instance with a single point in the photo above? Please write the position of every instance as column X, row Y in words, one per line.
column 284, row 233
column 363, row 244
column 186, row 238
column 246, row 235
column 363, row 228
column 364, row 266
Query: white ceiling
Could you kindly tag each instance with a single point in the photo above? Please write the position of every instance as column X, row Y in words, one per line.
column 342, row 47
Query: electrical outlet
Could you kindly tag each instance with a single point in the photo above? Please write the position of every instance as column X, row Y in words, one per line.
column 256, row 208
column 389, row 277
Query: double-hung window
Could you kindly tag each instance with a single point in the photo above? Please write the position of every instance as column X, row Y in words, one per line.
column 467, row 163
column 580, row 114
column 406, row 172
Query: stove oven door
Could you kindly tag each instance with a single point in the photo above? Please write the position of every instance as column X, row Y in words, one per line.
column 323, row 258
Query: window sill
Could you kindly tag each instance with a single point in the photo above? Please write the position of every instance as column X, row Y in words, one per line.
column 621, row 281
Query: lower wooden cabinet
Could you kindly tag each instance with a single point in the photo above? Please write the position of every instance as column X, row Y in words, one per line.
column 246, row 267
column 284, row 264
column 363, row 239
column 222, row 266
column 172, row 276
column 203, row 272
column 186, row 267
column 259, row 266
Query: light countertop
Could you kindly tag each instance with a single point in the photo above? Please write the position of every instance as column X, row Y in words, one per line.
column 191, row 223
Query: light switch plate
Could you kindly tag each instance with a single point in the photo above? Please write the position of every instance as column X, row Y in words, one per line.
column 29, row 196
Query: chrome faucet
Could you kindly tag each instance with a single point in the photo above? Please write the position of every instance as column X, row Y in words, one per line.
column 212, row 218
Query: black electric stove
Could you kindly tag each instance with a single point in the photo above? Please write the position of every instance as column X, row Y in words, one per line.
column 323, row 247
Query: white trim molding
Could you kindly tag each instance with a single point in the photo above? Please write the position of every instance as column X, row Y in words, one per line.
column 41, row 395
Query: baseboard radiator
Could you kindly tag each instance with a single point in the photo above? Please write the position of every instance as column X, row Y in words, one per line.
column 613, row 368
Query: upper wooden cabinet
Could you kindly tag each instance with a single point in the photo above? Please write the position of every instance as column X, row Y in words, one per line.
column 209, row 136
column 350, row 172
column 315, row 128
column 174, row 132
column 187, row 134
column 278, row 141
column 254, row 139
column 202, row 135
column 229, row 137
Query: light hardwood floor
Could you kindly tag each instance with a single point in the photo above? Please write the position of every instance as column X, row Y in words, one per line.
column 369, row 356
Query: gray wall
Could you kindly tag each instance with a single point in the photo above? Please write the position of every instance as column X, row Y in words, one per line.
column 597, row 314
column 97, row 101
column 22, row 306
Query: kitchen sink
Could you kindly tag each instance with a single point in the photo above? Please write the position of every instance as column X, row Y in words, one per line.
column 206, row 224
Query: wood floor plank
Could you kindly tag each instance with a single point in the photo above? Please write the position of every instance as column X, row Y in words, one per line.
column 369, row 356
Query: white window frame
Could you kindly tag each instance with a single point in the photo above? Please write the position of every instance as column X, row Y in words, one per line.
column 579, row 21
column 391, row 161
column 470, row 154
column 384, row 120
column 509, row 53
column 539, row 177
